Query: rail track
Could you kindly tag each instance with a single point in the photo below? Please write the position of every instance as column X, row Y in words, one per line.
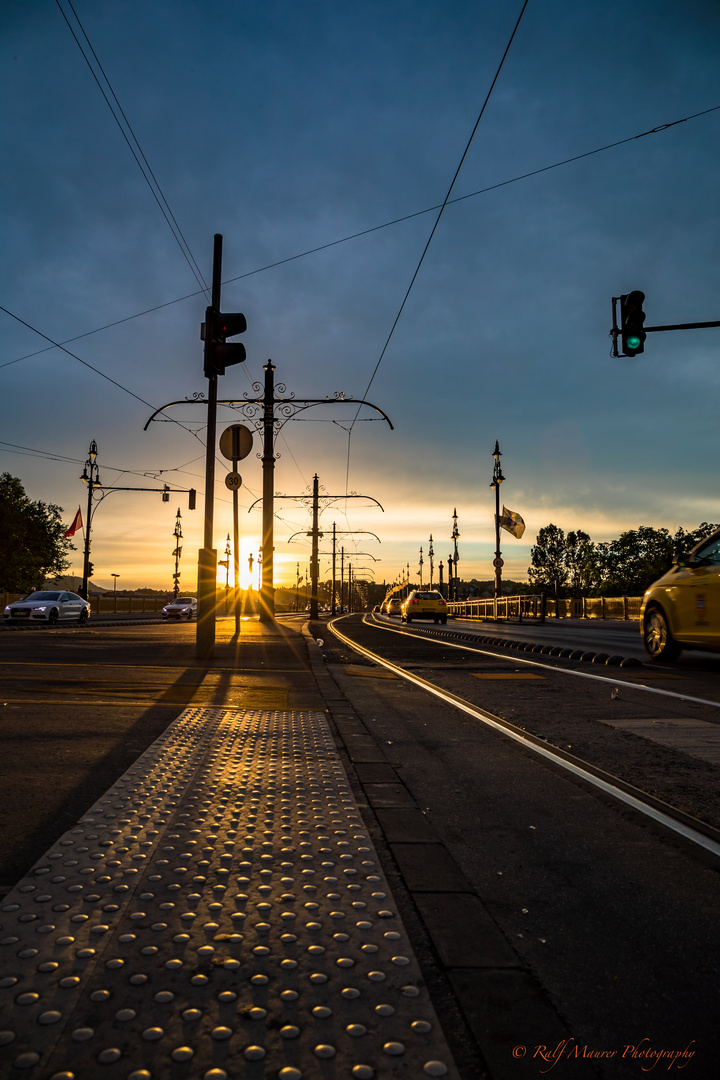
column 669, row 817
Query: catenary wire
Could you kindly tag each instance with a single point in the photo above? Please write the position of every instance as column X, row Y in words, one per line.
column 157, row 191
column 377, row 228
column 433, row 231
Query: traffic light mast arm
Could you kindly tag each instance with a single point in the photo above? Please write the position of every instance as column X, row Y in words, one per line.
column 683, row 326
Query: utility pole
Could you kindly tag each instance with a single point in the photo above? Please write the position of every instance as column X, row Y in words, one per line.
column 272, row 418
column 91, row 477
column 314, row 562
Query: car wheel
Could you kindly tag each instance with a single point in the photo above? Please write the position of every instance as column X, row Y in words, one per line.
column 83, row 616
column 444, row 619
column 408, row 618
column 53, row 617
column 657, row 639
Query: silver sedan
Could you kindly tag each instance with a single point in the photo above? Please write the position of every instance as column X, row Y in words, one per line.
column 49, row 607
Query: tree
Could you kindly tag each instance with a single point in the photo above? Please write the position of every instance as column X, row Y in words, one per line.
column 635, row 560
column 581, row 562
column 683, row 541
column 33, row 540
column 548, row 555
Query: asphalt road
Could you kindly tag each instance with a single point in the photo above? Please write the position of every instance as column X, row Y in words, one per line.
column 617, row 920
column 613, row 919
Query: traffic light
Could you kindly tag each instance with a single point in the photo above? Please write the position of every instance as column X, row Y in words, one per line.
column 191, row 498
column 215, row 331
column 632, row 318
column 166, row 494
column 91, row 570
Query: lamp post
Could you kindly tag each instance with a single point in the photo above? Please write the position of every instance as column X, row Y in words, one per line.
column 116, row 576
column 430, row 557
column 420, row 566
column 453, row 591
column 177, row 553
column 91, row 477
column 495, row 483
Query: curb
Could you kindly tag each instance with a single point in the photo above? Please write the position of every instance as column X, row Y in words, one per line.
column 585, row 655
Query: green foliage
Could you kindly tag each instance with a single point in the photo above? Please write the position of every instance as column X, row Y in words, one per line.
column 549, row 568
column 631, row 563
column 627, row 566
column 33, row 541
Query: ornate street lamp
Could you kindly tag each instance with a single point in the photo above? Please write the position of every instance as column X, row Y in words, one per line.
column 430, row 557
column 495, row 483
column 420, row 567
column 177, row 553
column 453, row 581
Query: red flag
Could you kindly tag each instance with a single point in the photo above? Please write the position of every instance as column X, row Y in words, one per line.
column 77, row 524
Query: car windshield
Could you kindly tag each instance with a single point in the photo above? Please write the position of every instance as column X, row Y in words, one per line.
column 184, row 601
column 42, row 596
column 427, row 596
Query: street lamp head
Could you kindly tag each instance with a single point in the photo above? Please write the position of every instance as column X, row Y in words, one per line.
column 92, row 452
column 496, row 452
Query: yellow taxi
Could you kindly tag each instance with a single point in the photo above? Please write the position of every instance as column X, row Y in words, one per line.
column 682, row 609
column 424, row 605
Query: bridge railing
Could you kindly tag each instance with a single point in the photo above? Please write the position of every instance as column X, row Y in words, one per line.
column 539, row 607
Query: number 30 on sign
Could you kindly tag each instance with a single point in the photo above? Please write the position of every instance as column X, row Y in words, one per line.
column 233, row 481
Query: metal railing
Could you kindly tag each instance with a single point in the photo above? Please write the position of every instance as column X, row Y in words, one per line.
column 539, row 607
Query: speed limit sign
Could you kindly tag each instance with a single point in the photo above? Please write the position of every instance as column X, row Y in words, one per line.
column 233, row 480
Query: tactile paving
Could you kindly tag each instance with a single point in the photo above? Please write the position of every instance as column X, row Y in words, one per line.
column 219, row 912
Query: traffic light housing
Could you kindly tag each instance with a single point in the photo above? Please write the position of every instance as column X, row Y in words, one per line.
column 166, row 494
column 191, row 498
column 219, row 326
column 91, row 570
column 632, row 318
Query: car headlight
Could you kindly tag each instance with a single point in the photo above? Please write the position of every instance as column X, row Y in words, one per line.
column 43, row 608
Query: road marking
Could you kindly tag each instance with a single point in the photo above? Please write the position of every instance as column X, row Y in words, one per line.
column 506, row 675
column 696, row 738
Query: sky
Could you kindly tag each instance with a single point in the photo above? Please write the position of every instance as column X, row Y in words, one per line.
column 290, row 127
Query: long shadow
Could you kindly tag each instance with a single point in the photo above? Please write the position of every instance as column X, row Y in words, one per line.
column 103, row 773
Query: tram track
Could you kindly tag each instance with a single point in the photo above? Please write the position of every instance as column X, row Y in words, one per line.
column 697, row 832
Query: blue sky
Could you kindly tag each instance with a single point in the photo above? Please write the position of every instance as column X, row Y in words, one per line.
column 289, row 126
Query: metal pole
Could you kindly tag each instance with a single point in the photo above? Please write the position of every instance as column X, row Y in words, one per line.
column 207, row 556
column 314, row 561
column 236, row 536
column 342, row 578
column 267, row 596
column 332, row 602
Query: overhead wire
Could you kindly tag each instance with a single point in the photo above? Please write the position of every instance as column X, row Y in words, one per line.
column 144, row 165
column 376, row 228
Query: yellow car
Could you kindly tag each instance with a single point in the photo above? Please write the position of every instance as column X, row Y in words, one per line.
column 682, row 609
column 424, row 605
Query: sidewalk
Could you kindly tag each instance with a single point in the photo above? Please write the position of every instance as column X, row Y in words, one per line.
column 221, row 910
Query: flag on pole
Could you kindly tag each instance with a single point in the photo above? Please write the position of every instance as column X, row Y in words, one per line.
column 77, row 524
column 512, row 523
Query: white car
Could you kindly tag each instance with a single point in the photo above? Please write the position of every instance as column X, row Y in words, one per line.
column 183, row 607
column 49, row 607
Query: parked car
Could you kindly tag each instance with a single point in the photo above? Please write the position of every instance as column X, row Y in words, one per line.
column 49, row 607
column 424, row 605
column 394, row 606
column 681, row 610
column 184, row 607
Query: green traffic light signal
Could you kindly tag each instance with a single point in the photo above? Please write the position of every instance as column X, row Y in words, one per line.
column 632, row 318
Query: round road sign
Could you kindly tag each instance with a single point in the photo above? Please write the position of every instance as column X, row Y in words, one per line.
column 233, row 480
column 236, row 442
column 498, row 562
